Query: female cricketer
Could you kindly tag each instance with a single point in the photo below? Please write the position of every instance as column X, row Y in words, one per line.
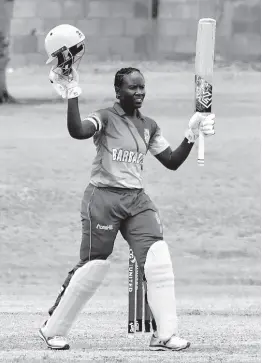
column 115, row 199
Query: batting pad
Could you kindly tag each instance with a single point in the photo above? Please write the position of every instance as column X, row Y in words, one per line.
column 81, row 288
column 161, row 289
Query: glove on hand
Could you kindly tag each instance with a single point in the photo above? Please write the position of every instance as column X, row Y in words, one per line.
column 200, row 122
column 66, row 86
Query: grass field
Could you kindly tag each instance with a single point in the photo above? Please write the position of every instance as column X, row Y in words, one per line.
column 211, row 217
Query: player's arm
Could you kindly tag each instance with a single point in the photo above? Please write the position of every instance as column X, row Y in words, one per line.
column 82, row 129
column 172, row 160
column 70, row 90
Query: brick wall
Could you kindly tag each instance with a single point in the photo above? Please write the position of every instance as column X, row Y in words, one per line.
column 125, row 29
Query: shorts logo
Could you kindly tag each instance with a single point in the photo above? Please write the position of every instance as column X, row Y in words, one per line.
column 146, row 135
column 105, row 228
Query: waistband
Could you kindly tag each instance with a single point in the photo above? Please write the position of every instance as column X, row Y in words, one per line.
column 119, row 190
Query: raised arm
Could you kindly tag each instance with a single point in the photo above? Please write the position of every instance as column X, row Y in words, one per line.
column 68, row 88
column 81, row 129
column 172, row 160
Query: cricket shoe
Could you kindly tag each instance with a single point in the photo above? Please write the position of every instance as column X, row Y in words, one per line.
column 57, row 342
column 174, row 343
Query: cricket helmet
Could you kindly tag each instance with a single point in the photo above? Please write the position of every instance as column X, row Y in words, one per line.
column 65, row 43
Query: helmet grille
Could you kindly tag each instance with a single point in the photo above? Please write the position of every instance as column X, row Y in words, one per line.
column 68, row 57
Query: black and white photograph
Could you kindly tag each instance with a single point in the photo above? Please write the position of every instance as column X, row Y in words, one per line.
column 130, row 181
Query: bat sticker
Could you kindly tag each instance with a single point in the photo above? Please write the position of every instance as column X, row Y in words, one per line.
column 203, row 95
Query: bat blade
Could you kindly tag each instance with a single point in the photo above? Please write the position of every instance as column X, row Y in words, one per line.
column 204, row 64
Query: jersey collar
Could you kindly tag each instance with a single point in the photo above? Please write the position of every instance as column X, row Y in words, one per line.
column 121, row 112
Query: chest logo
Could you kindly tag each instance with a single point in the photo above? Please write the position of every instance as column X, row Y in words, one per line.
column 146, row 135
column 127, row 156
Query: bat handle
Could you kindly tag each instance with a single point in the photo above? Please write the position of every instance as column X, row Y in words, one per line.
column 201, row 149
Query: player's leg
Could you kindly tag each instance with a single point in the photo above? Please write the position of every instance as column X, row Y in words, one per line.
column 99, row 230
column 64, row 286
column 96, row 245
column 143, row 231
column 81, row 288
column 161, row 298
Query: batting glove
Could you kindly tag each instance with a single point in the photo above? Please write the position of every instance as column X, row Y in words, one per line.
column 66, row 86
column 200, row 122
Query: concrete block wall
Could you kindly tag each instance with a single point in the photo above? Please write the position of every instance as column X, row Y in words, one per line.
column 126, row 30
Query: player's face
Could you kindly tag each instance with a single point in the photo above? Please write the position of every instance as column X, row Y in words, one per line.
column 132, row 92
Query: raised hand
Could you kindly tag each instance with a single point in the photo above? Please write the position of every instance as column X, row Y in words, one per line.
column 66, row 86
column 200, row 122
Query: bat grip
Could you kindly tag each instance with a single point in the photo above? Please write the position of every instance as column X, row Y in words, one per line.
column 201, row 149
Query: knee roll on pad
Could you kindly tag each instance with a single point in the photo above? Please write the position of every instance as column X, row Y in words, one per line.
column 81, row 288
column 88, row 277
column 161, row 289
column 158, row 265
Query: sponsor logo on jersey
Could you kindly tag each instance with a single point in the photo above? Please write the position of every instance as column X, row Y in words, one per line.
column 159, row 222
column 106, row 228
column 146, row 135
column 127, row 156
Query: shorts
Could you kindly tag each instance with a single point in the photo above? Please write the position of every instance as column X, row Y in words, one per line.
column 106, row 211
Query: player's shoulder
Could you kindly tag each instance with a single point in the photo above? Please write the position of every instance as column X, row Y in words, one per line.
column 150, row 124
column 102, row 114
column 149, row 120
column 106, row 112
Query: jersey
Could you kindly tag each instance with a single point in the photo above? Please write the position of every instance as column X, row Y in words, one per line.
column 121, row 145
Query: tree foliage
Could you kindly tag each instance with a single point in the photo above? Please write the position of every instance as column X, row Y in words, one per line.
column 6, row 13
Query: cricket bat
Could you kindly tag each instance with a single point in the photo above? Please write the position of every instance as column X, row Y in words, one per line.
column 204, row 64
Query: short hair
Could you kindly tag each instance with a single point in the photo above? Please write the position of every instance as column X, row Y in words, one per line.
column 121, row 73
